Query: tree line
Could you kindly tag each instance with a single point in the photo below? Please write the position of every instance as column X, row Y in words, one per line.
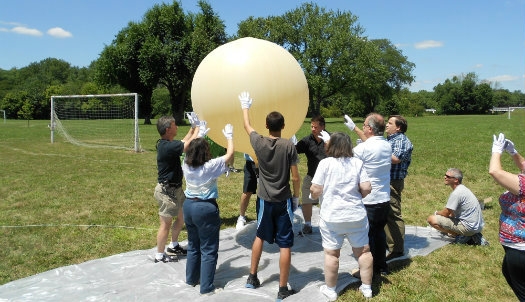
column 158, row 56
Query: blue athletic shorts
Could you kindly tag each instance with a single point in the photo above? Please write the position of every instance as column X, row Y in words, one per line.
column 274, row 222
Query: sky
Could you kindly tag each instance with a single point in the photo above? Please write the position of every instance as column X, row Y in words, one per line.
column 443, row 38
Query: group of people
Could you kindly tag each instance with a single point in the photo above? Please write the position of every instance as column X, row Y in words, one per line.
column 358, row 188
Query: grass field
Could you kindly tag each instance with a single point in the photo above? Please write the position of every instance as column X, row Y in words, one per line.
column 61, row 204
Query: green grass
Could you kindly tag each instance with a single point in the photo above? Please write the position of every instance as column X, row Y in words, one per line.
column 61, row 204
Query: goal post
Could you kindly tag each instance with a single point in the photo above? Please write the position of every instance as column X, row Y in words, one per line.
column 97, row 120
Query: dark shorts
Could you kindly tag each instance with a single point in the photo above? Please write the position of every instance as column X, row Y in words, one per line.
column 251, row 174
column 275, row 222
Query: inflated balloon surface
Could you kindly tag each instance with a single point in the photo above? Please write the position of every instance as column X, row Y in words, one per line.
column 267, row 71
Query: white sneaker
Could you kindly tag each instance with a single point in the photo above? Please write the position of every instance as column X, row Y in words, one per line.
column 213, row 292
column 241, row 221
column 328, row 293
column 367, row 292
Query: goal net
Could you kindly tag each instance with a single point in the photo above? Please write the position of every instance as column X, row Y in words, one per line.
column 99, row 120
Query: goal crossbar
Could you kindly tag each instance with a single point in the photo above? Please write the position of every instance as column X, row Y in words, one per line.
column 136, row 125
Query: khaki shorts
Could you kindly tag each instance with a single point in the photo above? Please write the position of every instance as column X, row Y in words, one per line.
column 170, row 200
column 453, row 225
column 305, row 191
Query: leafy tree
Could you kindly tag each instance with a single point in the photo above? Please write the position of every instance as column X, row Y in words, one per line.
column 336, row 58
column 119, row 64
column 464, row 95
column 164, row 49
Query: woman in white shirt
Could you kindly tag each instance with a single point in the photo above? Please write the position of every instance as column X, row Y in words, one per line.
column 341, row 182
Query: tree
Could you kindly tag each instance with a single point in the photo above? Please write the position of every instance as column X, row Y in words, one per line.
column 119, row 64
column 464, row 95
column 336, row 58
column 164, row 49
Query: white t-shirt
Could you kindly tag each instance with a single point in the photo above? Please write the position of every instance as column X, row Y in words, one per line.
column 201, row 182
column 376, row 154
column 341, row 200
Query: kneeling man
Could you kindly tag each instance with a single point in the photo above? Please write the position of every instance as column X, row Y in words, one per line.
column 462, row 217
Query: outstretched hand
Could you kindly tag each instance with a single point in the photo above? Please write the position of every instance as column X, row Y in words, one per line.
column 498, row 143
column 246, row 101
column 202, row 129
column 193, row 119
column 349, row 123
column 324, row 136
column 228, row 131
column 509, row 147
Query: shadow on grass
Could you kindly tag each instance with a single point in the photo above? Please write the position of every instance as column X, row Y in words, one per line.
column 394, row 266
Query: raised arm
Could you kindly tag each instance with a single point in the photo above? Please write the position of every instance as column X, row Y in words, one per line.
column 352, row 127
column 228, row 134
column 506, row 179
column 246, row 103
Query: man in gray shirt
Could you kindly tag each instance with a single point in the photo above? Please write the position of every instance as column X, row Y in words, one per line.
column 461, row 218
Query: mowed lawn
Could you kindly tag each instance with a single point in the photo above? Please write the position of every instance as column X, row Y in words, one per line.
column 61, row 204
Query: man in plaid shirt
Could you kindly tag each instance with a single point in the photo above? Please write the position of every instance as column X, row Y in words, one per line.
column 401, row 158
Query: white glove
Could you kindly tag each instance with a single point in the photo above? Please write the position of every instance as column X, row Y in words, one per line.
column 202, row 129
column 228, row 131
column 293, row 139
column 498, row 143
column 246, row 101
column 349, row 123
column 193, row 118
column 295, row 203
column 509, row 147
column 324, row 136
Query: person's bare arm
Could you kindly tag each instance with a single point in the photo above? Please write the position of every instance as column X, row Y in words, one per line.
column 296, row 180
column 506, row 179
column 316, row 191
column 365, row 188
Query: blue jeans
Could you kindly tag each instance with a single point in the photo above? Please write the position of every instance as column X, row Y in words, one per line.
column 377, row 217
column 203, row 225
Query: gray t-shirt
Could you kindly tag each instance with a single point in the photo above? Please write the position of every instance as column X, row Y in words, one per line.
column 466, row 208
column 275, row 156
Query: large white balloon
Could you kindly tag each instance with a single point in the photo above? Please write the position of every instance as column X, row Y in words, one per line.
column 267, row 71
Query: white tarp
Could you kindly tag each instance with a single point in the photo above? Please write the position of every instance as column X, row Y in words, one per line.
column 133, row 276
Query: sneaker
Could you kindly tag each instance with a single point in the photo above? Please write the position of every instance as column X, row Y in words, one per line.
column 241, row 222
column 252, row 282
column 330, row 294
column 367, row 292
column 393, row 255
column 307, row 229
column 460, row 239
column 167, row 258
column 213, row 292
column 232, row 169
column 284, row 294
column 178, row 250
column 478, row 239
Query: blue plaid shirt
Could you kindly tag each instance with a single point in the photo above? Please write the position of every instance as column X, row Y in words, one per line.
column 402, row 149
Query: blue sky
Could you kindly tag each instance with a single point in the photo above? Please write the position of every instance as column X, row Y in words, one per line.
column 443, row 38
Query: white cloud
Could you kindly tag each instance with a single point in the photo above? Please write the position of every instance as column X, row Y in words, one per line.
column 26, row 31
column 503, row 78
column 478, row 66
column 3, row 29
column 58, row 32
column 428, row 44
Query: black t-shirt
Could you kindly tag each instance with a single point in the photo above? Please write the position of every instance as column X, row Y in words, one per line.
column 314, row 152
column 168, row 161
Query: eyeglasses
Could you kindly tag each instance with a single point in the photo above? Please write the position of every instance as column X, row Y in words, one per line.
column 366, row 125
column 448, row 176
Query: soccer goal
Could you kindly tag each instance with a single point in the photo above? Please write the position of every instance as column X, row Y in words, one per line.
column 99, row 120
